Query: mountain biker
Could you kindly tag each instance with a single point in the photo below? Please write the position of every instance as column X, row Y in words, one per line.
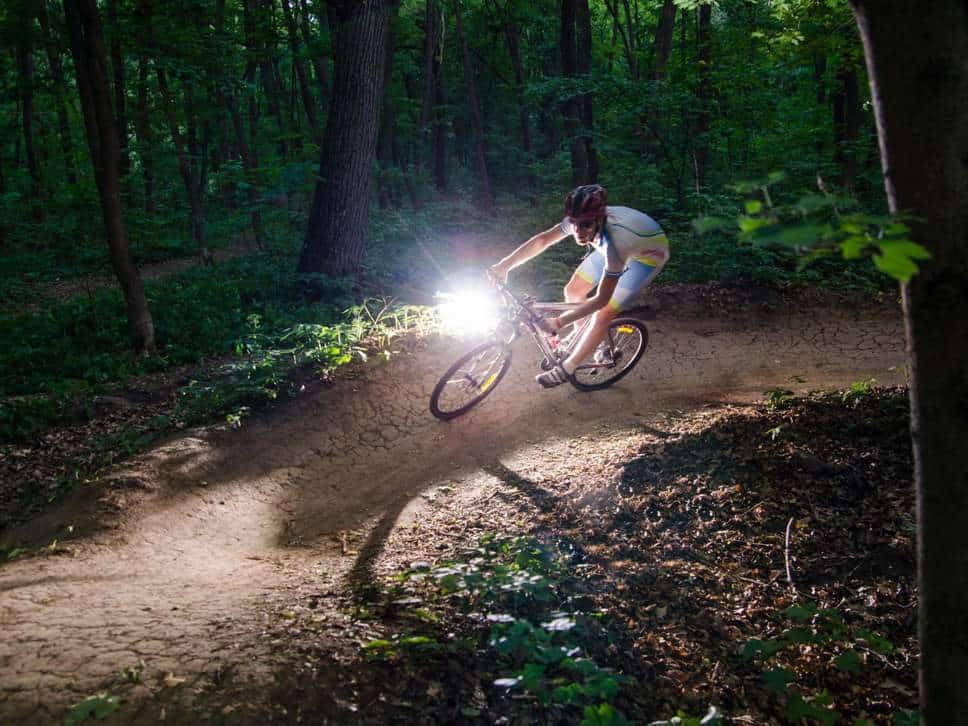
column 628, row 250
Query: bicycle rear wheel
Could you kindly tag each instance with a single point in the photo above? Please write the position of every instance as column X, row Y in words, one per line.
column 470, row 379
column 624, row 343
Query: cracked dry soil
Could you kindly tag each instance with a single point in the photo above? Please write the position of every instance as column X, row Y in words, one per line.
column 182, row 559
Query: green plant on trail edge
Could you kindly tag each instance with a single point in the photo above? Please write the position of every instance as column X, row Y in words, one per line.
column 817, row 226
column 858, row 392
column 515, row 584
column 712, row 718
column 93, row 707
column 812, row 627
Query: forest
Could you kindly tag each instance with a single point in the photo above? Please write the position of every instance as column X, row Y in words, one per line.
column 224, row 224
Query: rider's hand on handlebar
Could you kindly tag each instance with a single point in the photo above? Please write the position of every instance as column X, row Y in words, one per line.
column 498, row 273
column 551, row 325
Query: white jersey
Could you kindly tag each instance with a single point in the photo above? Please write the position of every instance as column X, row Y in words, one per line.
column 628, row 235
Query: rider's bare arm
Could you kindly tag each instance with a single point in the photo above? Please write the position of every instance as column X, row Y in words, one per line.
column 599, row 300
column 533, row 247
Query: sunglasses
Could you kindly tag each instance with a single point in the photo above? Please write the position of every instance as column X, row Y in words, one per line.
column 585, row 224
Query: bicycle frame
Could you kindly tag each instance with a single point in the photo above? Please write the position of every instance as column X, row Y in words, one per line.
column 526, row 313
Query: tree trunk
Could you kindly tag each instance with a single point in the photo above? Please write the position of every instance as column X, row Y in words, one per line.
column 513, row 36
column 628, row 38
column 386, row 139
column 319, row 61
column 117, row 66
column 703, row 95
column 477, row 122
column 571, row 106
column 337, row 219
column 57, row 76
column 142, row 128
column 90, row 62
column 917, row 62
column 663, row 39
column 583, row 37
column 187, row 166
column 25, row 77
column 431, row 114
column 309, row 104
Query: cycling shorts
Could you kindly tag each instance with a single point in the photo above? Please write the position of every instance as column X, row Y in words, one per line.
column 631, row 282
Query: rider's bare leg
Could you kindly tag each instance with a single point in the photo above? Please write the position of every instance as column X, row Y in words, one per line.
column 577, row 289
column 593, row 335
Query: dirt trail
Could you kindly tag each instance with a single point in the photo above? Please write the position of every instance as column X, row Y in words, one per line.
column 212, row 529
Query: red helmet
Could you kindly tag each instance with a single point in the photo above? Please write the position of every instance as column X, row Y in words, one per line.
column 586, row 202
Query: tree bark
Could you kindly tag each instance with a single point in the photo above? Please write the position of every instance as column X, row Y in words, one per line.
column 917, row 62
column 90, row 62
column 663, row 39
column 477, row 121
column 309, row 104
column 337, row 219
column 57, row 76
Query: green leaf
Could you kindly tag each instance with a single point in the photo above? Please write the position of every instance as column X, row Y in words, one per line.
column 378, row 644
column 848, row 661
column 704, row 225
column 799, row 635
column 907, row 718
column 94, row 707
column 753, row 206
column 801, row 613
column 777, row 679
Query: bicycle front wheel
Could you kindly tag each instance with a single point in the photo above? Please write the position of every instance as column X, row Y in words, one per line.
column 624, row 343
column 470, row 379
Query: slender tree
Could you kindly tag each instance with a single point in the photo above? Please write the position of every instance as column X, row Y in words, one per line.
column 26, row 82
column 917, row 63
column 703, row 96
column 477, row 117
column 583, row 46
column 337, row 218
column 299, row 64
column 90, row 63
column 59, row 87
column 431, row 114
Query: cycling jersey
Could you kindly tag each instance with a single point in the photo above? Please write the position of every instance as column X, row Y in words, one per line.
column 627, row 235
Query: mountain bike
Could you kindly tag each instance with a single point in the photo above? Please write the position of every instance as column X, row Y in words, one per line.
column 476, row 373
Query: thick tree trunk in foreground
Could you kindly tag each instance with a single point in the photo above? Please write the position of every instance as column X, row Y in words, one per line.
column 90, row 62
column 477, row 121
column 337, row 219
column 917, row 61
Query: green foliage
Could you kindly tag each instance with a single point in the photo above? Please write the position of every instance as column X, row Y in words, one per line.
column 815, row 226
column 858, row 392
column 96, row 707
column 810, row 628
column 542, row 647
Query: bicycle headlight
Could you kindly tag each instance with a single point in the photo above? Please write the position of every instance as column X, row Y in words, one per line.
column 468, row 313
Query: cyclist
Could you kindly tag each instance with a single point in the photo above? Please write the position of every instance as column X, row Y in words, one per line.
column 628, row 250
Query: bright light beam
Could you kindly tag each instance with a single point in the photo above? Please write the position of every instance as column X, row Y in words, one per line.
column 468, row 313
